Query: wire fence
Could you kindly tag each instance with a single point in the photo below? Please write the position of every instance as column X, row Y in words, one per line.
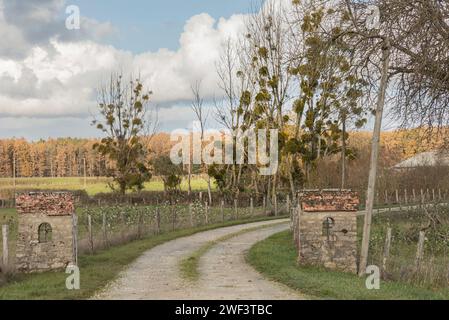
column 408, row 242
column 99, row 228
column 404, row 213
column 412, row 245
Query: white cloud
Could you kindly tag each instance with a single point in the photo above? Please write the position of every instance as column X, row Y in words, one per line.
column 49, row 75
column 170, row 74
column 69, row 72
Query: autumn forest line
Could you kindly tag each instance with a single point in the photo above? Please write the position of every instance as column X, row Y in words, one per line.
column 67, row 157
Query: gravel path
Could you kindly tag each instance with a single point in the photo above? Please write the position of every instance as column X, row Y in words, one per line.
column 224, row 273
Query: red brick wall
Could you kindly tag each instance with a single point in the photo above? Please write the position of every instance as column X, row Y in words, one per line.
column 329, row 201
column 49, row 203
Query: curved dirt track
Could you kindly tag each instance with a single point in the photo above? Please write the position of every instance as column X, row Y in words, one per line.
column 224, row 273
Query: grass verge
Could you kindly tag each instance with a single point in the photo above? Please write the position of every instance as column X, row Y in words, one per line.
column 96, row 270
column 275, row 258
column 189, row 266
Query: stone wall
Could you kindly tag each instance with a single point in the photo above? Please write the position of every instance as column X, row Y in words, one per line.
column 326, row 237
column 35, row 209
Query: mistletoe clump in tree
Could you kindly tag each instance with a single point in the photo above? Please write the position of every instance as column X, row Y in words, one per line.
column 123, row 118
column 170, row 173
column 330, row 93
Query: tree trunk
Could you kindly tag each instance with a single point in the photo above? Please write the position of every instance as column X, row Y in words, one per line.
column 374, row 158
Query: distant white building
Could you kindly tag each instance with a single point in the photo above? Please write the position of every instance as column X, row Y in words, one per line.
column 425, row 159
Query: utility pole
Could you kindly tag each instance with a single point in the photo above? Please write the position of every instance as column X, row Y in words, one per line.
column 85, row 174
column 14, row 169
column 189, row 191
column 386, row 50
column 51, row 167
column 190, row 179
column 343, row 152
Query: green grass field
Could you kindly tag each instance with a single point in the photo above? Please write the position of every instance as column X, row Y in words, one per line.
column 275, row 258
column 93, row 185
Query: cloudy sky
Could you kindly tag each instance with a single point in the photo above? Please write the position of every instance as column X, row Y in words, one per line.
column 49, row 74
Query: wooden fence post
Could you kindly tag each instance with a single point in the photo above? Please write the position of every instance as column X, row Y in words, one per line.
column 139, row 225
column 222, row 211
column 297, row 225
column 173, row 216
column 405, row 197
column 5, row 234
column 376, row 199
column 293, row 226
column 236, row 210
column 91, row 236
column 420, row 250
column 75, row 237
column 276, row 205
column 158, row 221
column 123, row 222
column 386, row 253
column 422, row 198
column 414, row 196
column 264, row 205
column 206, row 208
column 251, row 205
column 105, row 231
column 192, row 224
column 397, row 196
column 433, row 195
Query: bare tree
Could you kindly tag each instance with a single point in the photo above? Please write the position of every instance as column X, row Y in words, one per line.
column 421, row 37
column 407, row 50
column 197, row 107
column 201, row 115
column 267, row 50
column 232, row 107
